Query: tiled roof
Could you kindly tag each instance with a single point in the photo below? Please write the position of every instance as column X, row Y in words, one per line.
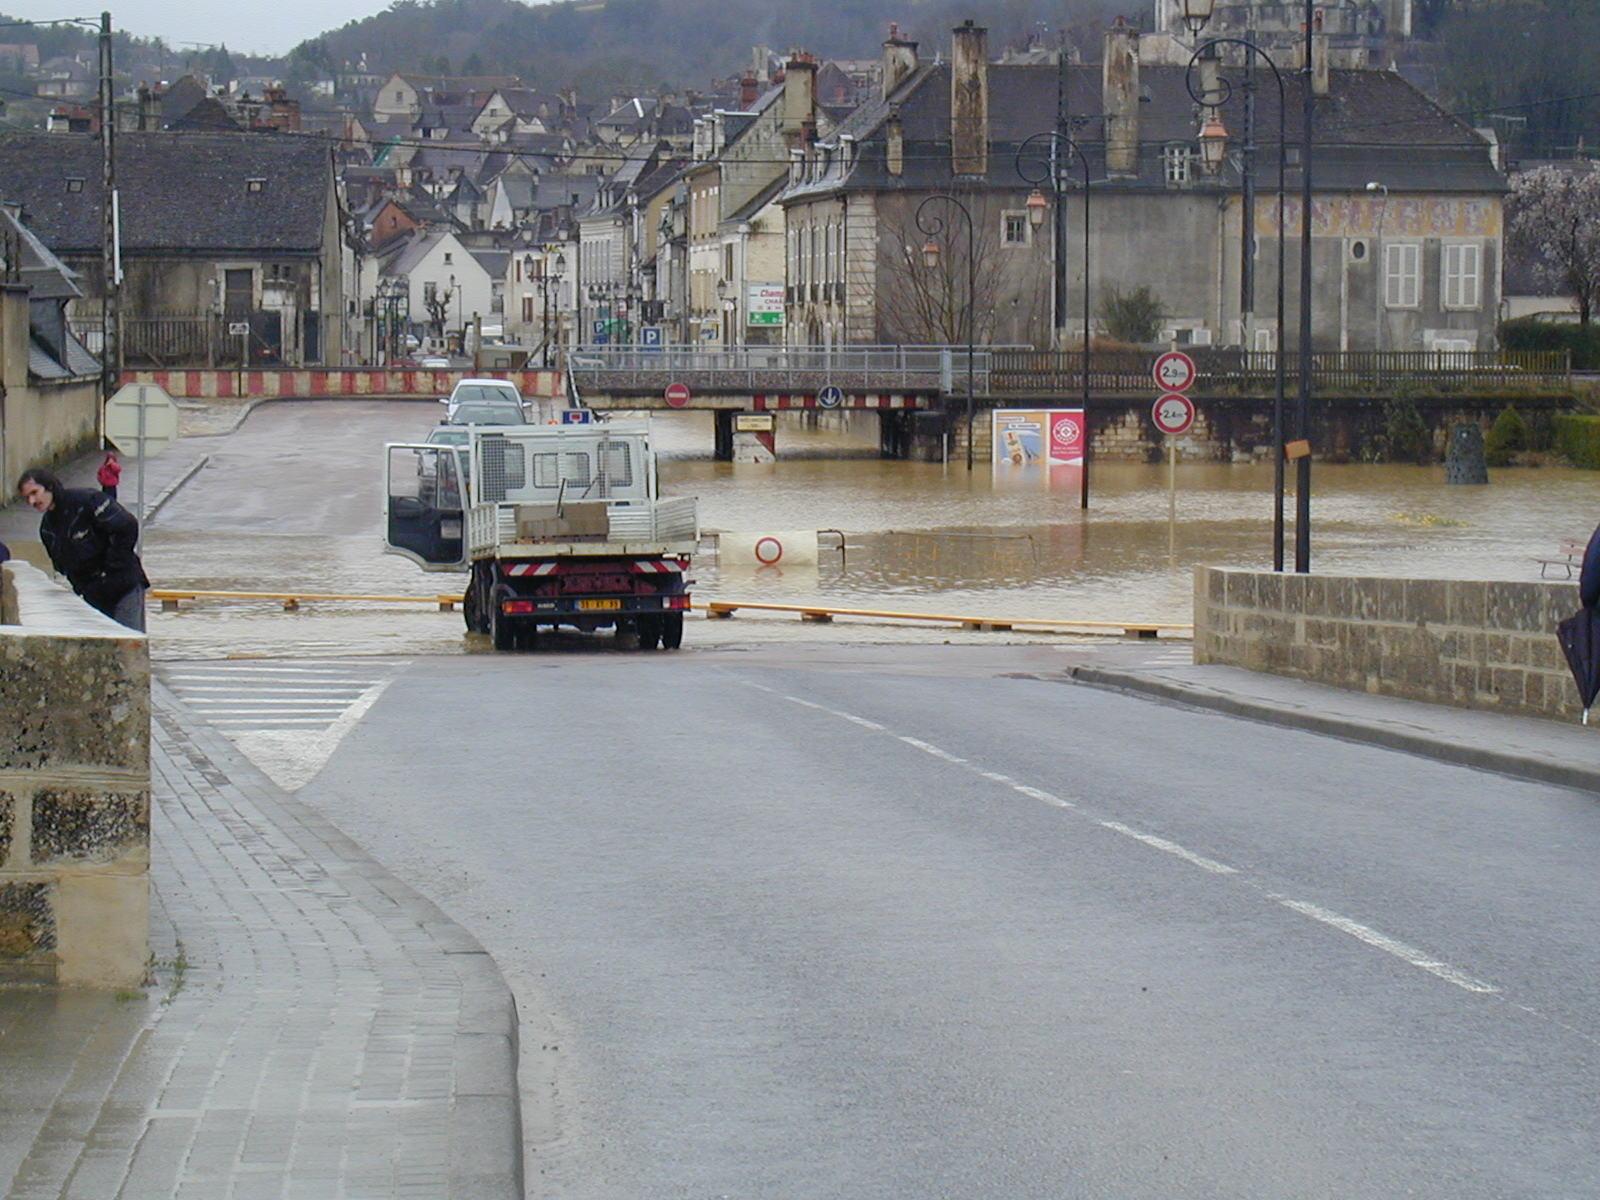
column 183, row 193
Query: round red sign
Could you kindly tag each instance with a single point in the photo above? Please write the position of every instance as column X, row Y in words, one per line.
column 768, row 551
column 1174, row 372
column 1173, row 414
column 677, row 394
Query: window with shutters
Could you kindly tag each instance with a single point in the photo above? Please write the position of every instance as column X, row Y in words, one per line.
column 1402, row 273
column 1463, row 274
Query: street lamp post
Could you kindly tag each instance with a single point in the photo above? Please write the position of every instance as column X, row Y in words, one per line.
column 932, row 225
column 1378, row 277
column 1213, row 140
column 1062, row 148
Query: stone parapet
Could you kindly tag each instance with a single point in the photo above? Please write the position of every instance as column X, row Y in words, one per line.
column 1481, row 644
column 74, row 789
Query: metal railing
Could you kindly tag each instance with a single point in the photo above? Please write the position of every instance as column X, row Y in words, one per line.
column 1252, row 372
column 781, row 368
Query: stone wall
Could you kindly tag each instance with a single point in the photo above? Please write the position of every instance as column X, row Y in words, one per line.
column 74, row 789
column 1470, row 643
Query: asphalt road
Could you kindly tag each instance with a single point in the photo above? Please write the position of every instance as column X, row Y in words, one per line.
column 927, row 921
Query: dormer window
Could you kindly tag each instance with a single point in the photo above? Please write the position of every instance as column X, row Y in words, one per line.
column 447, row 258
column 1177, row 158
column 74, row 184
column 253, row 186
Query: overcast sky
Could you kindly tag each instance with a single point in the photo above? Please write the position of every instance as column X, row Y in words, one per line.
column 251, row 25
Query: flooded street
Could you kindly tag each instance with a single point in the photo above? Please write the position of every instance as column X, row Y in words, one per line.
column 292, row 502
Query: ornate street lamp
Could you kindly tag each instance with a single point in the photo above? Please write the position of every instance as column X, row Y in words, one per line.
column 1063, row 148
column 1212, row 91
column 1213, row 142
column 933, row 225
column 1197, row 14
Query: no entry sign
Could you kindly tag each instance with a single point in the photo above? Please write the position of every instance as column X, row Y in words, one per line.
column 1174, row 372
column 1173, row 414
column 677, row 394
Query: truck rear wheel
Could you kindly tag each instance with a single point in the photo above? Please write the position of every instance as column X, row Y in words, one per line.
column 649, row 631
column 502, row 630
column 671, row 630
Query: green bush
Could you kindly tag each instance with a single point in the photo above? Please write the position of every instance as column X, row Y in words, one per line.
column 1578, row 439
column 1134, row 316
column 1405, row 436
column 1507, row 436
column 1531, row 333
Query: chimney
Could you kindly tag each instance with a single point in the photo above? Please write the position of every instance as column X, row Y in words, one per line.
column 760, row 62
column 747, row 91
column 899, row 60
column 1319, row 57
column 1119, row 99
column 969, row 100
column 799, row 93
column 894, row 133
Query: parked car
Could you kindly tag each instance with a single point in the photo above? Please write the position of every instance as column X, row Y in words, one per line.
column 435, row 363
column 482, row 391
column 486, row 412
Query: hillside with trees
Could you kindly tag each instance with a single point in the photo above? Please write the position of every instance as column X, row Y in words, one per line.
column 604, row 45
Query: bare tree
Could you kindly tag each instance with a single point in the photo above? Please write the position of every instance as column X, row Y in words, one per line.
column 921, row 304
column 1554, row 226
column 437, row 302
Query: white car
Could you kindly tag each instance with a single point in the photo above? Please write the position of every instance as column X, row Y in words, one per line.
column 481, row 391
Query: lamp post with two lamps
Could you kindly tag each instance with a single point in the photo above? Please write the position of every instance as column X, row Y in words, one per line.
column 1062, row 148
column 1378, row 275
column 933, row 226
column 1196, row 14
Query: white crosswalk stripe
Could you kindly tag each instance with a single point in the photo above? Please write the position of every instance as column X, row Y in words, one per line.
column 287, row 717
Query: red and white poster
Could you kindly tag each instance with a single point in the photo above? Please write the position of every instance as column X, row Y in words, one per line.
column 1050, row 437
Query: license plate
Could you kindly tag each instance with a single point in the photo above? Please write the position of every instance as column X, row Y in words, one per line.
column 599, row 605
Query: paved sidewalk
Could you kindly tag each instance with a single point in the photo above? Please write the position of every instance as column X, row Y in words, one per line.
column 1566, row 754
column 316, row 1029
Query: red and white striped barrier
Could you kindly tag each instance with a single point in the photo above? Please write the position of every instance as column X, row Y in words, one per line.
column 312, row 384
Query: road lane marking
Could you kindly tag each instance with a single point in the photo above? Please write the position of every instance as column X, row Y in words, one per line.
column 1172, row 848
column 1034, row 793
column 928, row 748
column 1389, row 945
column 1362, row 933
column 217, row 685
column 834, row 712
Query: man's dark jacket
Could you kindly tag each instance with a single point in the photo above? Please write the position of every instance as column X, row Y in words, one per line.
column 91, row 538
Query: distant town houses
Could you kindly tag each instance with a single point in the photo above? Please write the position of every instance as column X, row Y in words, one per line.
column 778, row 202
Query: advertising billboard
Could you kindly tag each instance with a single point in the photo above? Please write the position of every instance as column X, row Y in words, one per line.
column 1050, row 437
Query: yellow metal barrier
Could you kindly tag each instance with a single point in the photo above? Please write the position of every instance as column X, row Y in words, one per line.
column 822, row 613
column 291, row 601
column 714, row 609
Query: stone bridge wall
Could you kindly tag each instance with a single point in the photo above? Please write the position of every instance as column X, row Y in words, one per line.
column 1470, row 643
column 74, row 789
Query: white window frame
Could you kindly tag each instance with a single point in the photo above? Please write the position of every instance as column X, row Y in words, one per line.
column 1021, row 216
column 1461, row 288
column 1397, row 277
column 1177, row 163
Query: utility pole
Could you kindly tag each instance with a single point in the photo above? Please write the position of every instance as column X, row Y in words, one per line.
column 110, row 258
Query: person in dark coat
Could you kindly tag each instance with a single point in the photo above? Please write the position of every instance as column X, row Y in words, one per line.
column 1589, row 577
column 92, row 540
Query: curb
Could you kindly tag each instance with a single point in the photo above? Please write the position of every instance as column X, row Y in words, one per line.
column 1519, row 766
column 171, row 490
column 485, row 1134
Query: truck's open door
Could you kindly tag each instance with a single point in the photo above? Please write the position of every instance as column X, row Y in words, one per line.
column 423, row 506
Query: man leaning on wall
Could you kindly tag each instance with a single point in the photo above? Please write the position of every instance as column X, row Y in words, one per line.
column 92, row 540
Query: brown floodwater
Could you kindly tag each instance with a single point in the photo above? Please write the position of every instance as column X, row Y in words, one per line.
column 918, row 536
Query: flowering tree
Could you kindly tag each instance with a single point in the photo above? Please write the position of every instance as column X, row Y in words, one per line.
column 1554, row 225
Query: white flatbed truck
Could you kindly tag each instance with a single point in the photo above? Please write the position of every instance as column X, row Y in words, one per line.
column 554, row 525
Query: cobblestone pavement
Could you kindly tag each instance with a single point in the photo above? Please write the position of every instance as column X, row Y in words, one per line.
column 314, row 1027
